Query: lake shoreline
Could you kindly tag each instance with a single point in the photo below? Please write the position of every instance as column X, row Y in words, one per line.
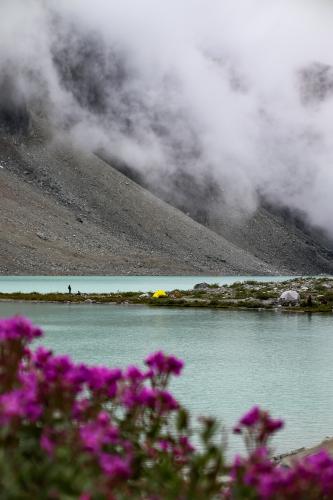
column 312, row 295
column 290, row 458
column 170, row 306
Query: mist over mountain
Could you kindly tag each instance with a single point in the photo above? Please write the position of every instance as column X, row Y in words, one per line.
column 221, row 110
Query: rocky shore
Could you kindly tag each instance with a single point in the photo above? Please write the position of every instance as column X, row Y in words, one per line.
column 296, row 295
column 289, row 459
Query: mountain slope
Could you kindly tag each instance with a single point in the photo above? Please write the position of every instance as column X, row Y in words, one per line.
column 273, row 234
column 274, row 238
column 64, row 211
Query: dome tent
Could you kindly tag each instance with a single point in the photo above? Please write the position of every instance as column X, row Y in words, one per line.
column 289, row 297
column 159, row 293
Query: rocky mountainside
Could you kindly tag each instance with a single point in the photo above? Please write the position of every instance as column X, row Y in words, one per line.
column 275, row 235
column 66, row 211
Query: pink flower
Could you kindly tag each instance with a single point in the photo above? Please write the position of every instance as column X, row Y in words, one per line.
column 98, row 433
column 319, row 460
column 269, row 483
column 134, row 374
column 21, row 403
column 131, row 397
column 273, row 425
column 115, row 467
column 80, row 408
column 46, row 443
column 258, row 426
column 251, row 417
column 147, row 397
column 10, row 405
column 18, row 328
column 85, row 496
column 104, row 380
column 160, row 363
column 41, row 356
column 166, row 402
column 158, row 400
column 165, row 445
column 175, row 365
column 186, row 446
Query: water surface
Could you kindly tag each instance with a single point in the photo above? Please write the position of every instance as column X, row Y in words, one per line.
column 233, row 359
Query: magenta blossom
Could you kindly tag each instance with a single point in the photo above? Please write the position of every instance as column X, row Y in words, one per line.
column 104, row 380
column 134, row 374
column 41, row 356
column 257, row 426
column 160, row 363
column 19, row 403
column 99, row 433
column 115, row 467
column 46, row 443
column 251, row 417
column 18, row 328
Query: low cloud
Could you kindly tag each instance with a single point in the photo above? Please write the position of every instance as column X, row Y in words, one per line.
column 235, row 97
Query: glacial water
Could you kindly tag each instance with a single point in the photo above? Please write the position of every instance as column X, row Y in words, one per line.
column 233, row 359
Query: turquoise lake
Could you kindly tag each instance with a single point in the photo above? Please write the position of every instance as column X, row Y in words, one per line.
column 234, row 359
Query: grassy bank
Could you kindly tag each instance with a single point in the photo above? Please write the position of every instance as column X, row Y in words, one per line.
column 315, row 296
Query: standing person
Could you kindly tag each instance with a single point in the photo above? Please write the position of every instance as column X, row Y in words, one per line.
column 69, row 289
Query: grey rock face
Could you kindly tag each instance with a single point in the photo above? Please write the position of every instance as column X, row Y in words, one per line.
column 14, row 115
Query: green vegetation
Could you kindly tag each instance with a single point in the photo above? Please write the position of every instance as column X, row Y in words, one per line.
column 315, row 296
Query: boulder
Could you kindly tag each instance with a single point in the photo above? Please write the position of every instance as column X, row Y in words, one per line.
column 201, row 286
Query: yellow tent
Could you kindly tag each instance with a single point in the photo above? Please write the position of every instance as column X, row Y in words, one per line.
column 159, row 293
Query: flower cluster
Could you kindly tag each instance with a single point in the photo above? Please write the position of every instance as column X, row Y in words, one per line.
column 162, row 364
column 69, row 430
column 310, row 478
column 110, row 418
column 18, row 328
column 257, row 426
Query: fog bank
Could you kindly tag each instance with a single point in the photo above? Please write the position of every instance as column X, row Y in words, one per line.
column 235, row 96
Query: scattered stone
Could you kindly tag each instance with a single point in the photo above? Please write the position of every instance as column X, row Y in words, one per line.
column 201, row 286
column 220, row 289
column 42, row 236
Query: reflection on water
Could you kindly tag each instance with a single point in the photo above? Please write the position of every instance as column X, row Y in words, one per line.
column 233, row 359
